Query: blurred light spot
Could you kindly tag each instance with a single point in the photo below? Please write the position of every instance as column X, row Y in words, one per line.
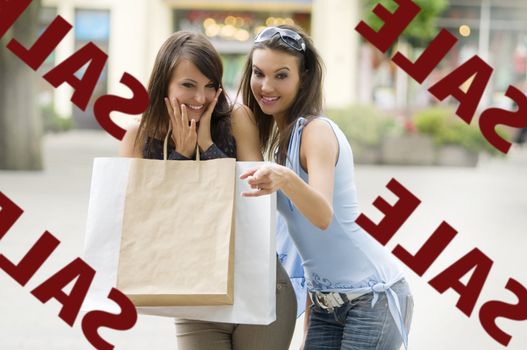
column 230, row 20
column 464, row 30
column 227, row 31
column 209, row 22
column 242, row 35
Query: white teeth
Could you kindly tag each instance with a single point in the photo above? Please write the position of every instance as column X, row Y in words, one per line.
column 196, row 108
column 269, row 99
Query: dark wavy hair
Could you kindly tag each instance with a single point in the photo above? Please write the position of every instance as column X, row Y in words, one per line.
column 197, row 49
column 308, row 101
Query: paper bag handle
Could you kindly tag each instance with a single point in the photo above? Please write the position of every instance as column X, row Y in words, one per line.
column 165, row 146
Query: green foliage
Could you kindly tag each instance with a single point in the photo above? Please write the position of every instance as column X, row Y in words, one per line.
column 421, row 29
column 53, row 122
column 447, row 129
column 364, row 125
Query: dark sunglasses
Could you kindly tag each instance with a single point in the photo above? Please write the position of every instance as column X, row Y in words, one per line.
column 289, row 37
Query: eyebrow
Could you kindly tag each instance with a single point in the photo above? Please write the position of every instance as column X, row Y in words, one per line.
column 195, row 82
column 255, row 66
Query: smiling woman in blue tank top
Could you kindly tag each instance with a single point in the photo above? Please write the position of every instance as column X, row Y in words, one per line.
column 358, row 298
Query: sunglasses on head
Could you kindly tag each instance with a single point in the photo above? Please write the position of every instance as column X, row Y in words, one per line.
column 289, row 37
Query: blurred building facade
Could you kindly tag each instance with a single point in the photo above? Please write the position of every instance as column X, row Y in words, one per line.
column 132, row 31
column 495, row 30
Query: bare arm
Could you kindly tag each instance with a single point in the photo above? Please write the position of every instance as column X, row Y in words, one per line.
column 246, row 134
column 318, row 155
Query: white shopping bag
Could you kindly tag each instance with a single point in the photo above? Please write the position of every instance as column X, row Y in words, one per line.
column 254, row 253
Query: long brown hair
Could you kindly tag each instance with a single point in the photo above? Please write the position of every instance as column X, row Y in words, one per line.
column 308, row 101
column 197, row 49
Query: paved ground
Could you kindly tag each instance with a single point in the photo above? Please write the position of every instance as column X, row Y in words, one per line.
column 487, row 205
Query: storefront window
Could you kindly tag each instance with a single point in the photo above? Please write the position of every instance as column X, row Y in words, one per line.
column 232, row 33
column 92, row 26
column 507, row 46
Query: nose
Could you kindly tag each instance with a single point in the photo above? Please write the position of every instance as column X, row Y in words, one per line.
column 266, row 86
column 200, row 96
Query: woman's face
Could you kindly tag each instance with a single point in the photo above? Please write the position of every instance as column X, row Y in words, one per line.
column 191, row 88
column 275, row 80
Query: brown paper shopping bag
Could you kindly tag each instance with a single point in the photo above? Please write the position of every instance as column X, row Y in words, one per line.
column 177, row 241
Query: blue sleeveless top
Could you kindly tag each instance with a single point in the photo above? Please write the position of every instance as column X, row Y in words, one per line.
column 342, row 258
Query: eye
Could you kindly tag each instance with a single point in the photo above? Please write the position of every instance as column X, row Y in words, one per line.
column 257, row 73
column 188, row 85
column 211, row 86
column 281, row 76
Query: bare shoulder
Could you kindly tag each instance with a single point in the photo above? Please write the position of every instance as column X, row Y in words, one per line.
column 245, row 131
column 318, row 129
column 243, row 123
column 242, row 115
column 129, row 147
column 318, row 137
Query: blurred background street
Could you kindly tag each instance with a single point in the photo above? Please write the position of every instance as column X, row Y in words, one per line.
column 486, row 204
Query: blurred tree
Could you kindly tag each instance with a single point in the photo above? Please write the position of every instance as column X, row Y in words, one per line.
column 423, row 27
column 20, row 121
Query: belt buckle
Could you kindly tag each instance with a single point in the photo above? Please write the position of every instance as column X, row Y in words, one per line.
column 328, row 301
column 322, row 302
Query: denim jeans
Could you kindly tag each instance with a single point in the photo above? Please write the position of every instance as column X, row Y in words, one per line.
column 357, row 325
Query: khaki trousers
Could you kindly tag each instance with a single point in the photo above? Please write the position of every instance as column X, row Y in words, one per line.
column 200, row 335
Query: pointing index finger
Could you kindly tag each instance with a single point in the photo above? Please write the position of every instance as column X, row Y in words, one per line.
column 248, row 173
